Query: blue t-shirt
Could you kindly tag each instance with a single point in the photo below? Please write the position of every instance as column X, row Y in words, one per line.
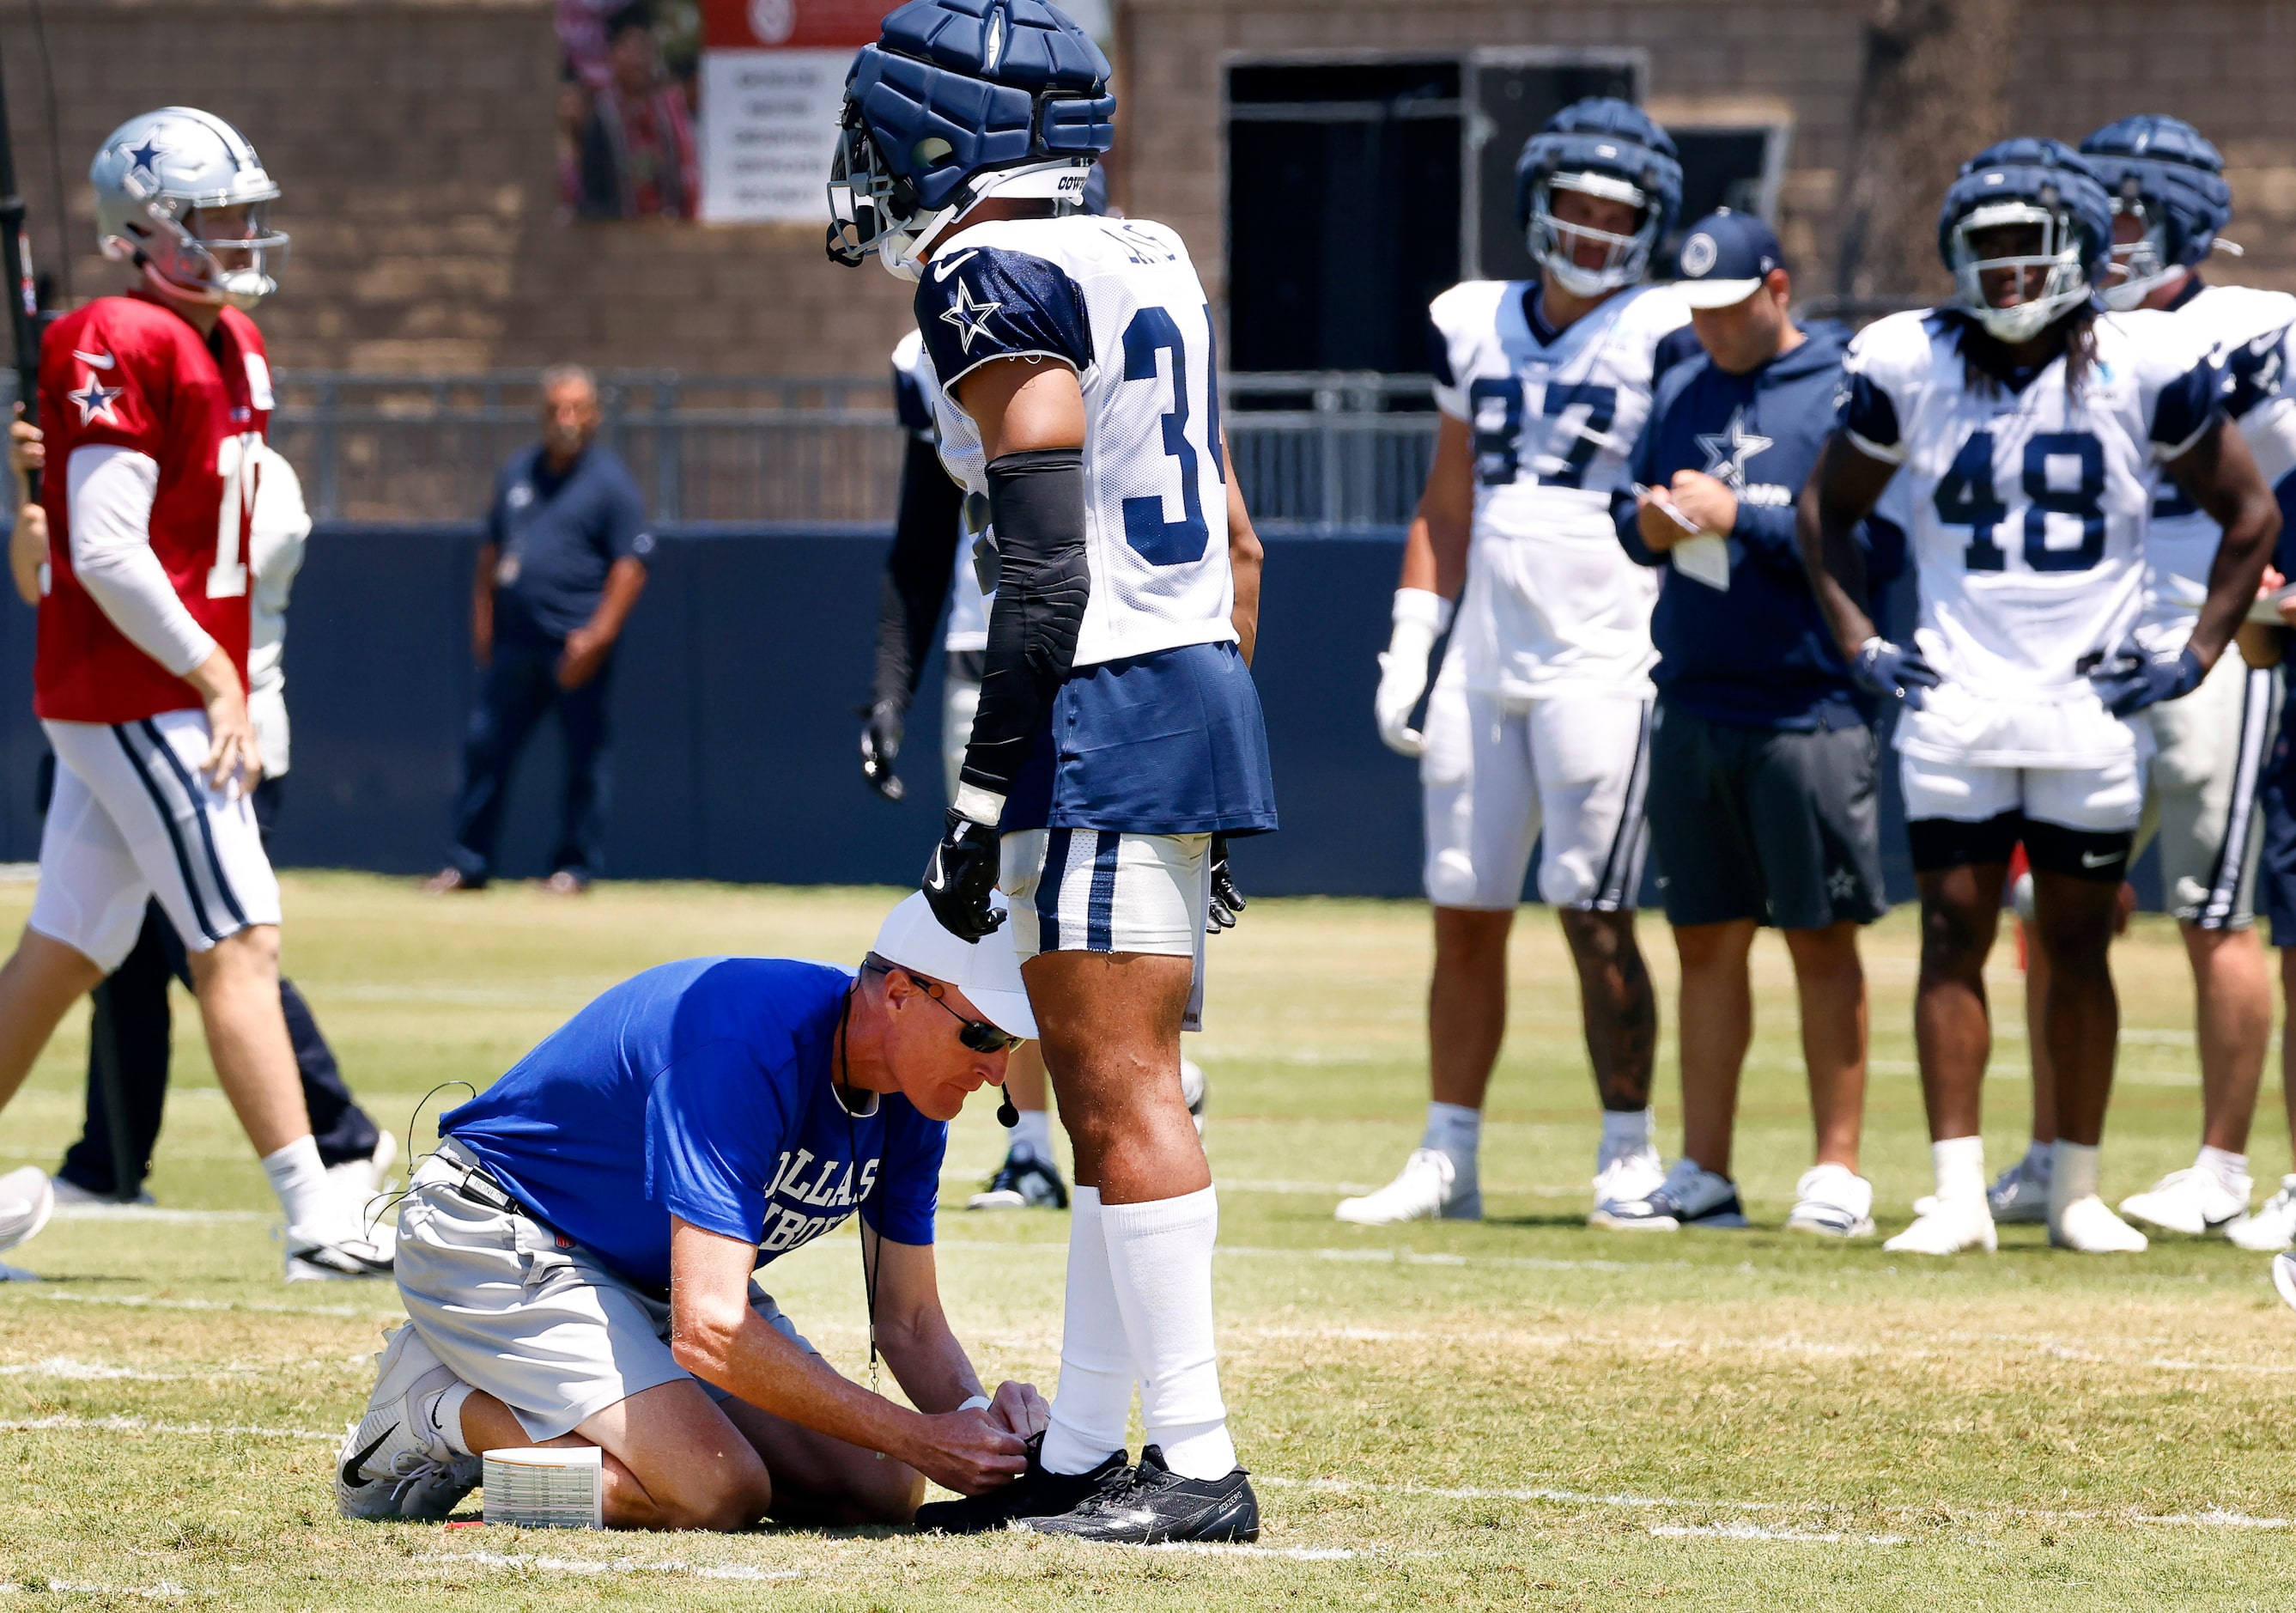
column 702, row 1089
column 556, row 536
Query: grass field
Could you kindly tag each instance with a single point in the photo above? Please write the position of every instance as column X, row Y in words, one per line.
column 1523, row 1413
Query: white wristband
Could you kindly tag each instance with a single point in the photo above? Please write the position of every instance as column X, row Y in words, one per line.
column 982, row 806
column 979, row 1403
column 1425, row 607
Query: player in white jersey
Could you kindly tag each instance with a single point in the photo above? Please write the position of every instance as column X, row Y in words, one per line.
column 1118, row 738
column 1537, row 732
column 2169, row 202
column 2031, row 427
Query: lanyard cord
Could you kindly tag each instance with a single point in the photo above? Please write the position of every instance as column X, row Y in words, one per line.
column 870, row 1270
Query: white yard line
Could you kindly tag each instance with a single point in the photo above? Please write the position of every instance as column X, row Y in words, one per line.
column 137, row 1301
column 1800, row 1537
column 617, row 1565
column 166, row 1590
column 138, row 1425
column 64, row 1367
column 165, row 1217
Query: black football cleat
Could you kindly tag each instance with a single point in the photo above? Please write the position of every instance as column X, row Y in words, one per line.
column 1159, row 1505
column 1023, row 1184
column 1037, row 1493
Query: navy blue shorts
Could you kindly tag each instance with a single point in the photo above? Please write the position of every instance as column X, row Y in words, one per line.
column 1172, row 742
column 2275, row 876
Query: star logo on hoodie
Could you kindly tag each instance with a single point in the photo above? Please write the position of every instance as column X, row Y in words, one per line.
column 1727, row 450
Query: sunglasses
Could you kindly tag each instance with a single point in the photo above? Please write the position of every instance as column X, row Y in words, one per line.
column 977, row 1034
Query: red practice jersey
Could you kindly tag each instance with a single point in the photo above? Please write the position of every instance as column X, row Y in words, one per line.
column 130, row 371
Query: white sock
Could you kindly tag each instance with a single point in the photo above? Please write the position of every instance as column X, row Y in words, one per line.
column 1627, row 1131
column 1032, row 1139
column 442, row 1417
column 1160, row 1254
column 2230, row 1168
column 1455, row 1132
column 2040, row 1159
column 2075, row 1173
column 1094, row 1398
column 304, row 1191
column 1959, row 1162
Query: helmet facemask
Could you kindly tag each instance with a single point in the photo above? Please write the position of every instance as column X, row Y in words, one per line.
column 2057, row 259
column 187, row 251
column 874, row 210
column 2144, row 262
column 1624, row 257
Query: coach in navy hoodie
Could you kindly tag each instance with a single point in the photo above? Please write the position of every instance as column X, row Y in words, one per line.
column 1762, row 759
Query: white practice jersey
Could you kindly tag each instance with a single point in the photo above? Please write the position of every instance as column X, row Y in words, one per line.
column 1118, row 301
column 916, row 398
column 276, row 533
column 1551, row 598
column 2028, row 524
column 2245, row 333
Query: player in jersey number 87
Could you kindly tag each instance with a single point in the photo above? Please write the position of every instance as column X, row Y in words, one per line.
column 1537, row 730
column 1077, row 363
column 2032, row 428
column 156, row 405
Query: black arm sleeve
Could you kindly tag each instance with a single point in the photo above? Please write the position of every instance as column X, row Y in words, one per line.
column 915, row 583
column 1036, row 499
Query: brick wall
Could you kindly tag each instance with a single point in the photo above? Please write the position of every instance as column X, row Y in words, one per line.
column 413, row 137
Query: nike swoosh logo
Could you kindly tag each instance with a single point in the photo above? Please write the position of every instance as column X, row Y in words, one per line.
column 944, row 268
column 2090, row 860
column 935, row 879
column 351, row 1479
column 98, row 361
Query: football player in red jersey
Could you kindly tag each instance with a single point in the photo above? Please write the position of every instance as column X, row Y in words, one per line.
column 155, row 403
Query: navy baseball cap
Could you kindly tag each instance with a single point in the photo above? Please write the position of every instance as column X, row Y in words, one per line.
column 1724, row 257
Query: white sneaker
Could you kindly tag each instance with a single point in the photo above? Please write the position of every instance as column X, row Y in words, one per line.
column 2019, row 1196
column 2195, row 1201
column 1196, row 1091
column 1832, row 1201
column 1690, row 1196
column 389, row 1466
column 70, row 1192
column 2087, row 1226
column 27, row 1199
column 1947, row 1227
column 2273, row 1227
column 1625, row 1180
column 1427, row 1190
column 2283, row 1276
column 316, row 1257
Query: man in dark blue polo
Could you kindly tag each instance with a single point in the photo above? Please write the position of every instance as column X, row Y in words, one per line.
column 563, row 562
column 1762, row 755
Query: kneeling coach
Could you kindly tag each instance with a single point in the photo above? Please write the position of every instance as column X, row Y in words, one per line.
column 576, row 1258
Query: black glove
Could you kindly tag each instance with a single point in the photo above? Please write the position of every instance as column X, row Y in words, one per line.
column 961, row 875
column 1227, row 901
column 880, row 743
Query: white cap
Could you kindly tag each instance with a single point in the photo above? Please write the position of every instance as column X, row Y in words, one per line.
column 987, row 971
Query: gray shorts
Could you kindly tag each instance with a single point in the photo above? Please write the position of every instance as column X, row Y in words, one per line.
column 2202, row 790
column 1752, row 823
column 532, row 1319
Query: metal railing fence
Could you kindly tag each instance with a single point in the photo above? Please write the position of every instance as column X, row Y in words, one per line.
column 1318, row 453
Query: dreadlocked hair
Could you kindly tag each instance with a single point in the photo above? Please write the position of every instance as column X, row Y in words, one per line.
column 1985, row 360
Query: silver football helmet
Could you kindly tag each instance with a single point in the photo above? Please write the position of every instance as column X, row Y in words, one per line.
column 156, row 175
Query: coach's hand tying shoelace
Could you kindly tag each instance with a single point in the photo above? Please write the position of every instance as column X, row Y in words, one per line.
column 1892, row 671
column 1227, row 902
column 962, row 875
column 2132, row 678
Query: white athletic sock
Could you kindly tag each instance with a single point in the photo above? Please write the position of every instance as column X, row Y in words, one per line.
column 1032, row 1139
column 442, row 1417
column 1627, row 1131
column 2074, row 1176
column 1160, row 1254
column 1959, row 1162
column 1456, row 1132
column 304, row 1191
column 1094, row 1398
column 2040, row 1159
column 2230, row 1168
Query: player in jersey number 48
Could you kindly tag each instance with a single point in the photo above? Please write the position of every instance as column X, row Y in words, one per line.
column 1537, row 732
column 1077, row 363
column 156, row 403
column 2032, row 427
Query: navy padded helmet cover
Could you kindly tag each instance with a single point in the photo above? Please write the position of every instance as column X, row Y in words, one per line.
column 2174, row 166
column 2029, row 169
column 1647, row 156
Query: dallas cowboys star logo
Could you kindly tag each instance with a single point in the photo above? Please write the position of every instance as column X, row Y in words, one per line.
column 1842, row 884
column 970, row 318
column 145, row 157
column 1727, row 450
column 95, row 400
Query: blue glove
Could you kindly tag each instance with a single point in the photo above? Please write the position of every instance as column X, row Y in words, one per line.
column 1892, row 671
column 2132, row 678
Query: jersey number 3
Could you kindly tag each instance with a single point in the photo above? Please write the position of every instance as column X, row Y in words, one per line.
column 1158, row 541
column 1966, row 497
